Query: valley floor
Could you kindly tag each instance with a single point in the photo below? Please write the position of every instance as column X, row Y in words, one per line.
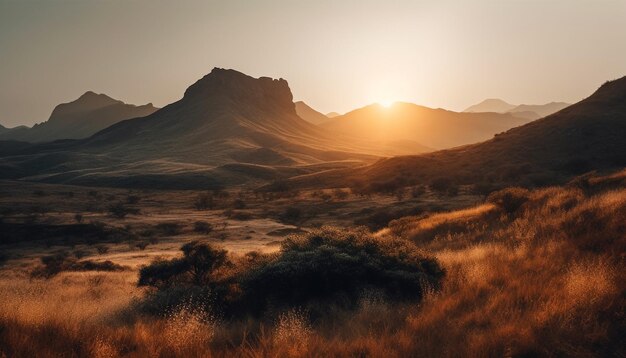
column 542, row 278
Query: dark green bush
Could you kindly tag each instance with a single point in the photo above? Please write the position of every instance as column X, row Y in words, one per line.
column 509, row 199
column 202, row 227
column 169, row 229
column 199, row 261
column 204, row 201
column 336, row 266
column 329, row 266
column 291, row 215
column 120, row 211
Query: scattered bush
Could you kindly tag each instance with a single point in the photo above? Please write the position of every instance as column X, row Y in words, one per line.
column 444, row 186
column 204, row 201
column 418, row 191
column 238, row 215
column 78, row 218
column 169, row 229
column 341, row 194
column 132, row 199
column 57, row 263
column 202, row 227
column 482, row 189
column 120, row 211
column 196, row 267
column 509, row 199
column 102, row 249
column 141, row 245
column 291, row 215
column 239, row 204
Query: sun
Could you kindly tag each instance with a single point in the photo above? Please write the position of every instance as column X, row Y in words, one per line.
column 386, row 103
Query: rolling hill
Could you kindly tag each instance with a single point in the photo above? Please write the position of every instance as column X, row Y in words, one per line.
column 433, row 128
column 80, row 118
column 589, row 135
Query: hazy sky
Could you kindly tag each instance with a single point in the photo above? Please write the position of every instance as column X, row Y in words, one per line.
column 336, row 55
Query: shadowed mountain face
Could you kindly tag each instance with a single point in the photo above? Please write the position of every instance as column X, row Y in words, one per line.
column 228, row 128
column 434, row 128
column 588, row 135
column 309, row 114
column 81, row 118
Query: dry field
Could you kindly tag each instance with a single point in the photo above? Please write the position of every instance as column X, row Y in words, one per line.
column 536, row 273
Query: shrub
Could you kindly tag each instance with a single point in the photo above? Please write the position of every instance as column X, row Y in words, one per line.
column 132, row 199
column 328, row 266
column 102, row 249
column 291, row 215
column 444, row 186
column 196, row 266
column 418, row 191
column 482, row 189
column 337, row 266
column 141, row 245
column 238, row 215
column 202, row 227
column 120, row 211
column 341, row 194
column 239, row 204
column 204, row 201
column 169, row 229
column 509, row 199
column 59, row 262
column 78, row 218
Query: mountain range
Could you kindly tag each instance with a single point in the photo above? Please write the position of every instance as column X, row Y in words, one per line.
column 232, row 129
column 527, row 111
column 228, row 128
column 432, row 128
column 80, row 118
column 588, row 135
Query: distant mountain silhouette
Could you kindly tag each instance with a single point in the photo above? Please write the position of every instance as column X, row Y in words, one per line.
column 228, row 128
column 332, row 114
column 434, row 128
column 310, row 115
column 81, row 118
column 540, row 109
column 528, row 111
column 491, row 105
column 588, row 135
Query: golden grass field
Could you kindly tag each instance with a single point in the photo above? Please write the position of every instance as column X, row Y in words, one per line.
column 546, row 280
